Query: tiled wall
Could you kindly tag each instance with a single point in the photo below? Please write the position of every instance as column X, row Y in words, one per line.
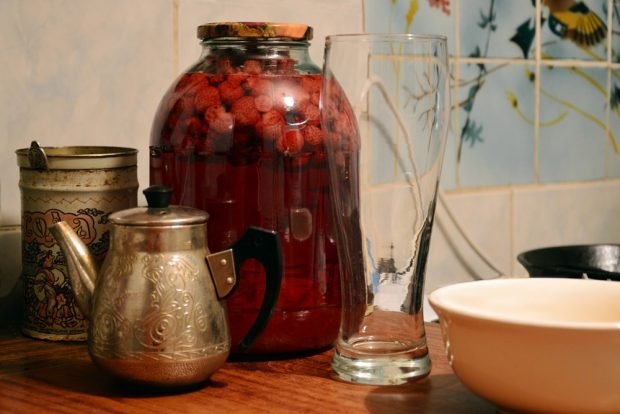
column 535, row 100
column 533, row 156
column 531, row 159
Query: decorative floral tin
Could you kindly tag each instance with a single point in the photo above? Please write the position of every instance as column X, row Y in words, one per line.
column 79, row 185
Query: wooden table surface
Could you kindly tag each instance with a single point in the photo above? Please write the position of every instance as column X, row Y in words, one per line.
column 39, row 376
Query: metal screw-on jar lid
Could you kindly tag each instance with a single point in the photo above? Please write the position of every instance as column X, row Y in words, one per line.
column 264, row 30
column 159, row 211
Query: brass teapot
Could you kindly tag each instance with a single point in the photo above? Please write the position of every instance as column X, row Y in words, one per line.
column 155, row 309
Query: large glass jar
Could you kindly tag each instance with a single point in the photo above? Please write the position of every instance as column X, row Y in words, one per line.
column 239, row 135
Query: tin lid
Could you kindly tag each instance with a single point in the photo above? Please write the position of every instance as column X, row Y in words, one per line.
column 159, row 211
column 254, row 30
column 76, row 157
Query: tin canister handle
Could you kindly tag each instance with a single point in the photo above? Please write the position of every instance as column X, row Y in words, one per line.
column 37, row 157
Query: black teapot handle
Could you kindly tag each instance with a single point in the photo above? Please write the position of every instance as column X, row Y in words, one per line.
column 264, row 246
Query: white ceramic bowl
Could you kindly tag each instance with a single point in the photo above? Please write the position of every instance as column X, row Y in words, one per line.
column 535, row 345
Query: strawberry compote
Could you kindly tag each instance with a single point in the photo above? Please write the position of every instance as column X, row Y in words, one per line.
column 239, row 135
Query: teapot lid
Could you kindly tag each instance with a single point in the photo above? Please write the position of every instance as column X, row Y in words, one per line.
column 159, row 211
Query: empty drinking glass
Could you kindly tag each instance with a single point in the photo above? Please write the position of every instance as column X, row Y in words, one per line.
column 385, row 109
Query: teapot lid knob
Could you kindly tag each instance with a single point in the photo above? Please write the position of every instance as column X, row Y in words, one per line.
column 159, row 212
column 158, row 196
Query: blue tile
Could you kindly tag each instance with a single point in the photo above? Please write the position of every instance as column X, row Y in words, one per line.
column 497, row 28
column 573, row 139
column 613, row 158
column 496, row 120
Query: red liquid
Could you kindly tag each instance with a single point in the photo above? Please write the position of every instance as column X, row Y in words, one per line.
column 265, row 173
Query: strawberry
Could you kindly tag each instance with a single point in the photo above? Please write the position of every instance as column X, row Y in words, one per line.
column 230, row 92
column 252, row 66
column 192, row 126
column 237, row 78
column 263, row 103
column 311, row 83
column 216, row 79
column 315, row 98
column 212, row 112
column 257, row 85
column 206, row 97
column 271, row 125
column 291, row 142
column 273, row 117
column 245, row 112
column 311, row 114
column 183, row 106
column 343, row 124
column 286, row 66
column 190, row 80
column 222, row 122
column 269, row 132
column 313, row 135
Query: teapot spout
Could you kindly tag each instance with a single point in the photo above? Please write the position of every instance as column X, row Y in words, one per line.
column 81, row 265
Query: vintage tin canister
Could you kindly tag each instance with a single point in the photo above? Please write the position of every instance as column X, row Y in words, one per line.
column 81, row 185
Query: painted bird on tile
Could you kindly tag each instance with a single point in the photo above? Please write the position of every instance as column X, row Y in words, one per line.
column 568, row 19
column 573, row 20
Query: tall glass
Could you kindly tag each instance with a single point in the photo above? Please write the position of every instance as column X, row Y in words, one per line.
column 385, row 109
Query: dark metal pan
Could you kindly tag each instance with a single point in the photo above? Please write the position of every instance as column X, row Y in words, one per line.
column 595, row 261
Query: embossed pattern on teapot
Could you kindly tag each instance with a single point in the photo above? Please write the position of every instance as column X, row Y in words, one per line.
column 159, row 305
column 155, row 310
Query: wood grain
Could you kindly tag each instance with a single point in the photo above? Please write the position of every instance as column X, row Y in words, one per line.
column 38, row 376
